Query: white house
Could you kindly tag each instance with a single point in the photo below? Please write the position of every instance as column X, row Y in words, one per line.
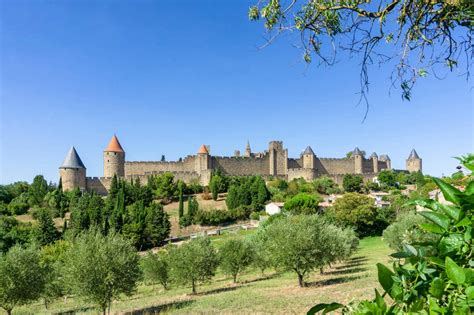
column 273, row 207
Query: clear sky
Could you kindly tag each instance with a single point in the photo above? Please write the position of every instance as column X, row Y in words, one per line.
column 167, row 76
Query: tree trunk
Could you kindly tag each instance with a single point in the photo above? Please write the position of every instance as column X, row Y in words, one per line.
column 321, row 270
column 45, row 303
column 9, row 312
column 110, row 303
column 194, row 286
column 235, row 278
column 301, row 280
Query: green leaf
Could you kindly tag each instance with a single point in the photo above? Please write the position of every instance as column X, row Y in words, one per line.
column 437, row 288
column 449, row 192
column 464, row 222
column 437, row 218
column 469, row 188
column 410, row 249
column 323, row 306
column 385, row 277
column 428, row 227
column 380, row 301
column 470, row 293
column 455, row 273
column 401, row 255
column 451, row 243
column 453, row 212
column 437, row 261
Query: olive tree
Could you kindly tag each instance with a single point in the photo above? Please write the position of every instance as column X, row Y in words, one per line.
column 235, row 256
column 193, row 262
column 22, row 278
column 155, row 268
column 301, row 244
column 100, row 268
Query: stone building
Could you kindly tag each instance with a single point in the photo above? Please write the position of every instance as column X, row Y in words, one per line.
column 272, row 163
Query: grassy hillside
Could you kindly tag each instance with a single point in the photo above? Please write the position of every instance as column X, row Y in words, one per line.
column 276, row 293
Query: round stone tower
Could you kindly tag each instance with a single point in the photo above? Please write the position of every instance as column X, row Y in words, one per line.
column 358, row 160
column 375, row 162
column 308, row 158
column 202, row 159
column 114, row 159
column 414, row 163
column 72, row 172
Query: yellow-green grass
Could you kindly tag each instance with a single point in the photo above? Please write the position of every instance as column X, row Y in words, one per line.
column 272, row 293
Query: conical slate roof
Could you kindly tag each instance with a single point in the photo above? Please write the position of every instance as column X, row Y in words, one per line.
column 248, row 145
column 203, row 150
column 308, row 151
column 413, row 155
column 356, row 151
column 114, row 145
column 374, row 155
column 384, row 157
column 72, row 160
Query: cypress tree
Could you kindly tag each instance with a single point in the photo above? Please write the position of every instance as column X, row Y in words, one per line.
column 181, row 202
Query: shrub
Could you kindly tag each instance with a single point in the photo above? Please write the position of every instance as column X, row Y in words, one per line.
column 212, row 217
column 405, row 230
column 303, row 203
column 352, row 183
column 13, row 232
column 241, row 212
column 357, row 210
column 19, row 205
column 325, row 185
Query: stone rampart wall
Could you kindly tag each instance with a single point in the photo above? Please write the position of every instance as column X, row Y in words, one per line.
column 142, row 167
column 334, row 166
column 241, row 165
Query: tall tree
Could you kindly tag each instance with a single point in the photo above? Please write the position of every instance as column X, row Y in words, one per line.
column 181, row 201
column 37, row 191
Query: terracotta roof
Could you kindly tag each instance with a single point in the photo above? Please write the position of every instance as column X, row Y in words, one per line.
column 203, row 150
column 72, row 160
column 114, row 145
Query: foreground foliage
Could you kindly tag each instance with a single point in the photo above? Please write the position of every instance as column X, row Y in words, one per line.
column 434, row 276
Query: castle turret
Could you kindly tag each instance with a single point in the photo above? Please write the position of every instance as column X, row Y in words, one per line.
column 414, row 163
column 308, row 158
column 202, row 159
column 72, row 172
column 114, row 159
column 248, row 151
column 278, row 158
column 375, row 162
column 358, row 160
column 385, row 158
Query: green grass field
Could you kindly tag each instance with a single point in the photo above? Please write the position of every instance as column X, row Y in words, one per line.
column 275, row 293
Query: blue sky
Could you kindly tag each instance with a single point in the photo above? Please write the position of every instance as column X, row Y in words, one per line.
column 167, row 76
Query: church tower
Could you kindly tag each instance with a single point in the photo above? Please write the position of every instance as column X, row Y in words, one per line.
column 308, row 158
column 114, row 159
column 248, row 151
column 414, row 163
column 358, row 160
column 72, row 171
